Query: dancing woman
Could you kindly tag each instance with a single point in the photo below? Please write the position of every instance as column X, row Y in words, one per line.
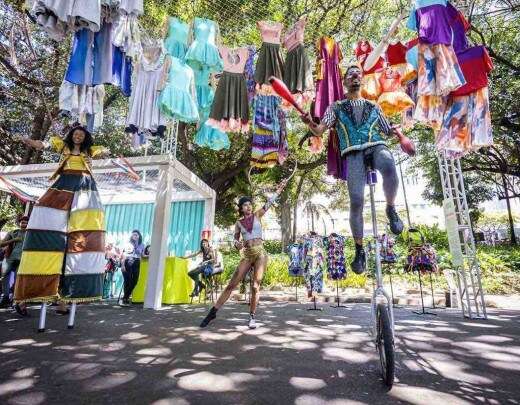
column 253, row 255
column 63, row 254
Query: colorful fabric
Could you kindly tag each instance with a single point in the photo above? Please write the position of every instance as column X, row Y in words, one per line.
column 336, row 164
column 64, row 250
column 269, row 145
column 313, row 262
column 393, row 99
column 211, row 137
column 296, row 260
column 476, row 66
column 329, row 84
column 439, row 72
column 467, row 124
column 249, row 72
column 65, row 239
column 421, row 258
column 430, row 111
column 387, row 253
column 432, row 24
column 335, row 245
column 460, row 26
column 357, row 133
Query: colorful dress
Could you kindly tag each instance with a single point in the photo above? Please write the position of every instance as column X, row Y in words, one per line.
column 370, row 87
column 64, row 250
column 329, row 84
column 396, row 58
column 270, row 61
column 230, row 110
column 203, row 51
column 467, row 120
column 295, row 260
column 313, row 263
column 335, row 245
column 178, row 99
column 176, row 43
column 438, row 70
column 393, row 100
column 269, row 145
column 297, row 73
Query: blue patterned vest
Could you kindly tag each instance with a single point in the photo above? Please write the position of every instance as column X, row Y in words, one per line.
column 352, row 137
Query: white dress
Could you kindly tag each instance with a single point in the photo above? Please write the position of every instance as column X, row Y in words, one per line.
column 144, row 112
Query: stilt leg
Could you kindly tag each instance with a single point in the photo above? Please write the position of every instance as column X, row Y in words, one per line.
column 72, row 315
column 43, row 315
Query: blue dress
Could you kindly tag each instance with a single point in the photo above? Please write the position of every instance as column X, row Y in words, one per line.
column 203, row 52
column 178, row 99
column 176, row 43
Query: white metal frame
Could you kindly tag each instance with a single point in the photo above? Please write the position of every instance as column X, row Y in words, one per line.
column 469, row 283
column 169, row 169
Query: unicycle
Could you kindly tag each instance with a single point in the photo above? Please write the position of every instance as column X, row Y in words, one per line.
column 382, row 315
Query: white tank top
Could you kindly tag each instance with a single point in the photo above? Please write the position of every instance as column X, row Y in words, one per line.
column 256, row 232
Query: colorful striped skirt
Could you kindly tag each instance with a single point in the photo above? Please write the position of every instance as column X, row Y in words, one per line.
column 63, row 254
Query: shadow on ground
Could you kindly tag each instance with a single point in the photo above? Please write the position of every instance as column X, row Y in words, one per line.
column 131, row 355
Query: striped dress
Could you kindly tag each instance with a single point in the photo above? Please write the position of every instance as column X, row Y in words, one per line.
column 63, row 254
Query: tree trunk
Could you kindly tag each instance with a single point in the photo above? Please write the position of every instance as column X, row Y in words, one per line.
column 295, row 208
column 511, row 220
column 285, row 221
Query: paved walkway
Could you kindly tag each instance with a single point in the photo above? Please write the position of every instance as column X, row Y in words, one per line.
column 130, row 355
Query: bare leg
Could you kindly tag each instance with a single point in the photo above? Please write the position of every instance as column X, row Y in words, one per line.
column 238, row 275
column 258, row 274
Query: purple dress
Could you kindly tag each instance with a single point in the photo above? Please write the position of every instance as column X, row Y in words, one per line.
column 329, row 86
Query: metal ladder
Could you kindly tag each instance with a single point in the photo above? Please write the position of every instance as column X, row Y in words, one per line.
column 462, row 242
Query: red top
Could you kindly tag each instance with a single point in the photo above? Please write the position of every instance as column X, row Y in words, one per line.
column 396, row 54
column 363, row 49
column 476, row 65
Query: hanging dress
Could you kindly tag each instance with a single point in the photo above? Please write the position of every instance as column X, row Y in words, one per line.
column 396, row 59
column 269, row 146
column 60, row 17
column 393, row 100
column 313, row 263
column 176, row 43
column 335, row 248
column 467, row 119
column 295, row 260
column 178, row 100
column 203, row 51
column 64, row 248
column 438, row 70
column 297, row 73
column 230, row 109
column 329, row 84
column 144, row 113
column 270, row 61
column 370, row 86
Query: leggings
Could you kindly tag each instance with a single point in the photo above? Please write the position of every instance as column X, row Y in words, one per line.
column 130, row 275
column 356, row 180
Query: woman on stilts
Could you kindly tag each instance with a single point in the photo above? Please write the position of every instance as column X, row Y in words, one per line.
column 253, row 255
column 63, row 257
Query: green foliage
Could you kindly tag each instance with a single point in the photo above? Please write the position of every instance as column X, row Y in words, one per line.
column 500, row 266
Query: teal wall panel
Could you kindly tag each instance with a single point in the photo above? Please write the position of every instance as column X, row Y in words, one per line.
column 187, row 221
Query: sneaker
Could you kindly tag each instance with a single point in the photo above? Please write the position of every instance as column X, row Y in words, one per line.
column 359, row 263
column 396, row 225
column 125, row 303
column 212, row 314
column 252, row 321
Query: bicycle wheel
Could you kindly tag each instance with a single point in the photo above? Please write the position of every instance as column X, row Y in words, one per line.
column 385, row 345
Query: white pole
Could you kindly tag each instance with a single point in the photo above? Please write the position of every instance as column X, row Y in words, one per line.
column 43, row 313
column 160, row 234
column 72, row 315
